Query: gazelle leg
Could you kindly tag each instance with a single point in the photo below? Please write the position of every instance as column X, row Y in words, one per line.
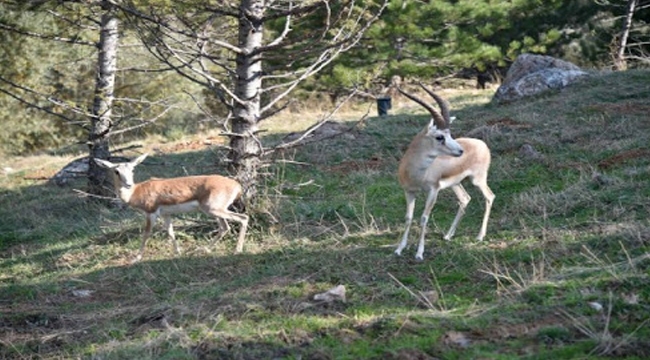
column 463, row 200
column 489, row 199
column 224, row 228
column 242, row 219
column 170, row 232
column 410, row 205
column 431, row 200
column 150, row 222
column 242, row 232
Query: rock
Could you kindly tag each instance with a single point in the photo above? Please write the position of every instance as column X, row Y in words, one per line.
column 82, row 293
column 335, row 293
column 602, row 179
column 528, row 152
column 77, row 168
column 596, row 306
column 456, row 338
column 533, row 74
column 321, row 131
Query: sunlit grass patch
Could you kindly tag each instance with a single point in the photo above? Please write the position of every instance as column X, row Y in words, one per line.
column 563, row 271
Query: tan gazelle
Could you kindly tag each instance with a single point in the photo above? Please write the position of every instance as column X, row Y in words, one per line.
column 435, row 161
column 211, row 194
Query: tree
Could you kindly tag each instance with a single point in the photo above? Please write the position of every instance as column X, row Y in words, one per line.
column 250, row 54
column 101, row 118
column 101, row 121
column 620, row 62
column 431, row 39
column 31, row 84
column 81, row 95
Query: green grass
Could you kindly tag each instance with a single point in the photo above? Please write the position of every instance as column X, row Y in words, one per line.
column 569, row 231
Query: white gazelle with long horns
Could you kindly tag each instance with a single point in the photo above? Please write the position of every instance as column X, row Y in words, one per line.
column 211, row 194
column 435, row 161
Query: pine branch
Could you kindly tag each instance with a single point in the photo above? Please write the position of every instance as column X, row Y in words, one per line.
column 23, row 32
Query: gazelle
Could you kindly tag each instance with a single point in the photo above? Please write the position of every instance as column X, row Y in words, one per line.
column 211, row 194
column 435, row 161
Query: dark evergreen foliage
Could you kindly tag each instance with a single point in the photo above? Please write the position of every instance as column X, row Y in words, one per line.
column 417, row 39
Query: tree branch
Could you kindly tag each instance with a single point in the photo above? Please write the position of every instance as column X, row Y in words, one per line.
column 74, row 41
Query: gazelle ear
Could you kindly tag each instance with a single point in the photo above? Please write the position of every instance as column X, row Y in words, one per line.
column 139, row 159
column 105, row 164
column 432, row 125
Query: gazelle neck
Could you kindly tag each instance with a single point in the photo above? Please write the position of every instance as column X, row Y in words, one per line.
column 419, row 164
column 125, row 192
column 418, row 160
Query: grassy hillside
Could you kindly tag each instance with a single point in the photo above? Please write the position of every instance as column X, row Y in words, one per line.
column 564, row 271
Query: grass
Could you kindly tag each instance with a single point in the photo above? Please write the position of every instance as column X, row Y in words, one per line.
column 564, row 271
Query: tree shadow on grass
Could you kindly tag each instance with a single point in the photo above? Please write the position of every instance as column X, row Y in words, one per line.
column 206, row 306
column 159, row 296
column 159, row 304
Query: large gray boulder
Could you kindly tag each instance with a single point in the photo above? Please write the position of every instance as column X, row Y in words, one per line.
column 532, row 74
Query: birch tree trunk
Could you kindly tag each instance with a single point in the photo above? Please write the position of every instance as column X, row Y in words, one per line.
column 245, row 149
column 101, row 119
column 619, row 59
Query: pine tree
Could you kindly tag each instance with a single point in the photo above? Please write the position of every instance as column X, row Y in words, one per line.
column 429, row 39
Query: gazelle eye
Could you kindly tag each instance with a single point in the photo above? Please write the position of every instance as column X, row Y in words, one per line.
column 440, row 138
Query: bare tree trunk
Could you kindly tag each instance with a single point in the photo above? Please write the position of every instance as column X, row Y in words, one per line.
column 619, row 60
column 101, row 119
column 245, row 149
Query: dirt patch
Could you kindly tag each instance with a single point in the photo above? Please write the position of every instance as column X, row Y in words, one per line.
column 509, row 123
column 621, row 158
column 39, row 332
column 504, row 330
column 30, row 322
column 351, row 166
column 408, row 354
column 40, row 174
column 235, row 350
column 496, row 127
column 624, row 108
